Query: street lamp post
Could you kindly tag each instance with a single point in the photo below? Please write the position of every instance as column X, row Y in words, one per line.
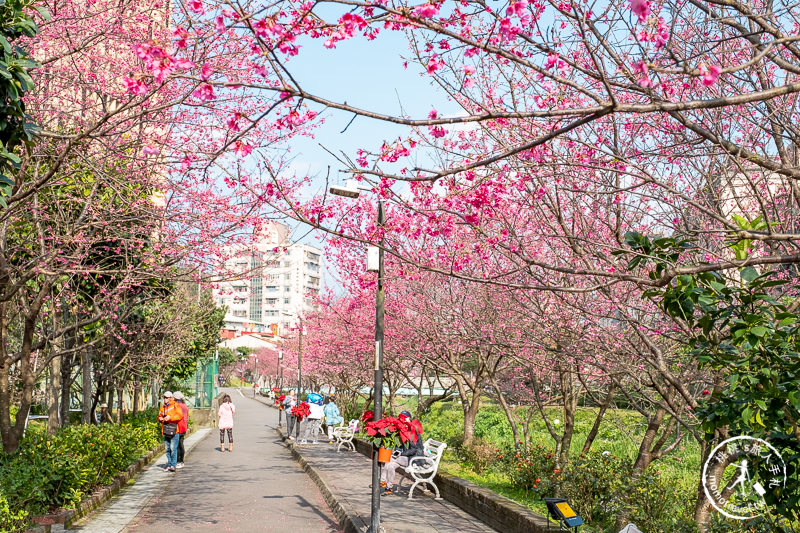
column 255, row 375
column 279, row 381
column 351, row 190
column 300, row 359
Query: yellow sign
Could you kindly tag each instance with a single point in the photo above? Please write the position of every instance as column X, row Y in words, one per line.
column 566, row 510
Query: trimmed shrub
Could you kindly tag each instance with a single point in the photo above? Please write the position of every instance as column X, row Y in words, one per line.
column 50, row 472
column 11, row 520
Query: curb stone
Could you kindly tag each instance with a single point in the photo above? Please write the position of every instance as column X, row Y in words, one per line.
column 349, row 520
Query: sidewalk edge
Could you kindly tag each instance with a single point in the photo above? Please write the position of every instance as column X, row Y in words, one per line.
column 348, row 519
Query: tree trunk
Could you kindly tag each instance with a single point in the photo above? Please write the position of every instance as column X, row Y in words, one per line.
column 509, row 412
column 66, row 387
column 53, row 412
column 120, row 404
column 137, row 393
column 110, row 398
column 598, row 420
column 570, row 407
column 86, row 386
column 470, row 414
column 643, row 459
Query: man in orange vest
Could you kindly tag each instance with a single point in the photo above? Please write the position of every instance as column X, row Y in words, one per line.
column 170, row 415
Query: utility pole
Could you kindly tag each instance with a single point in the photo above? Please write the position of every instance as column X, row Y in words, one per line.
column 300, row 360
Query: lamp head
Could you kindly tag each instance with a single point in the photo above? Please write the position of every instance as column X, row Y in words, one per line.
column 348, row 190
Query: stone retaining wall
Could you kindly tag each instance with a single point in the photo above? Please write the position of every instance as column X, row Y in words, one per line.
column 487, row 506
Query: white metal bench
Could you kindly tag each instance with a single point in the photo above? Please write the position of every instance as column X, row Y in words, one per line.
column 344, row 435
column 423, row 468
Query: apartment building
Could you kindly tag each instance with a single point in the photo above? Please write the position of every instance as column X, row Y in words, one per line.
column 273, row 283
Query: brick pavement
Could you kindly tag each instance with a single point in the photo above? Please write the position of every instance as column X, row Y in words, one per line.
column 347, row 477
column 257, row 487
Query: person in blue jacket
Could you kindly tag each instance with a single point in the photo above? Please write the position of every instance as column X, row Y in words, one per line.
column 332, row 417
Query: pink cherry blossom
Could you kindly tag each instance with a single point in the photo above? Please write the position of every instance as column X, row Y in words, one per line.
column 204, row 92
column 242, row 149
column 434, row 64
column 709, row 73
column 641, row 8
column 196, row 6
column 640, row 67
column 426, row 10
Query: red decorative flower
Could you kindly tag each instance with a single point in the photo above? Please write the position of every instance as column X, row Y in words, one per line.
column 301, row 411
column 391, row 432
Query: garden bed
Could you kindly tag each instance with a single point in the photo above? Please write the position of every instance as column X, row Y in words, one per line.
column 56, row 474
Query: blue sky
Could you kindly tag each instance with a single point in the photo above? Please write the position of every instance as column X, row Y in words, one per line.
column 367, row 74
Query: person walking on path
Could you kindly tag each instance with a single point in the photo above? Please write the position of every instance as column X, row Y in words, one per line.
column 225, row 417
column 400, row 457
column 183, row 426
column 314, row 417
column 291, row 421
column 332, row 417
column 170, row 415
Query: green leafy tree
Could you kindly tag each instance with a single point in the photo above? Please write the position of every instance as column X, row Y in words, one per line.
column 746, row 331
column 16, row 128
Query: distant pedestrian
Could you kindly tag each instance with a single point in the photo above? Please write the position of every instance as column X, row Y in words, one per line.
column 183, row 426
column 170, row 415
column 225, row 417
column 255, row 389
column 332, row 417
column 291, row 421
column 103, row 416
column 314, row 417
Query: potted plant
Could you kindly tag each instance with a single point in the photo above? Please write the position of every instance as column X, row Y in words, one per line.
column 301, row 411
column 279, row 401
column 391, row 432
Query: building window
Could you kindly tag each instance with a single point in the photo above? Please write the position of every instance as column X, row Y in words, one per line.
column 271, row 288
column 240, row 314
column 271, row 301
column 288, row 276
column 287, row 289
column 286, row 300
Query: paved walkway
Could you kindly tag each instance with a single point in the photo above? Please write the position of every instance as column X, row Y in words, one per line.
column 257, row 487
column 125, row 506
column 260, row 487
column 348, row 476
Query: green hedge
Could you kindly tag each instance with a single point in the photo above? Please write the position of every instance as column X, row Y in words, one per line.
column 51, row 472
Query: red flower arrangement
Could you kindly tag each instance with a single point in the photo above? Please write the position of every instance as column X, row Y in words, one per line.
column 367, row 416
column 392, row 432
column 301, row 411
column 279, row 400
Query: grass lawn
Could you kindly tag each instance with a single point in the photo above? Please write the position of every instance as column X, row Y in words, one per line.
column 620, row 434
